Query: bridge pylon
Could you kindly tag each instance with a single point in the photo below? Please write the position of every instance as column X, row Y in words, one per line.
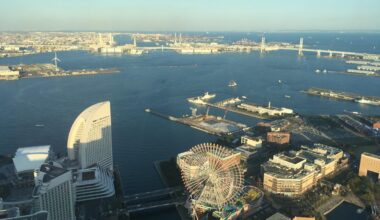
column 262, row 45
column 318, row 53
column 300, row 47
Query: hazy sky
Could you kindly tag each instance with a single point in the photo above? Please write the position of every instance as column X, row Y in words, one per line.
column 190, row 15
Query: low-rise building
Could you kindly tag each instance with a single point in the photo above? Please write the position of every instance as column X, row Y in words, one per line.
column 303, row 218
column 271, row 111
column 278, row 216
column 29, row 159
column 369, row 163
column 280, row 138
column 293, row 173
column 249, row 147
column 251, row 141
column 376, row 125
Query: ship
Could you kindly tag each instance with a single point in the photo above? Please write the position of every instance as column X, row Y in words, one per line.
column 196, row 100
column 207, row 96
column 317, row 71
column 201, row 100
column 367, row 101
column 232, row 83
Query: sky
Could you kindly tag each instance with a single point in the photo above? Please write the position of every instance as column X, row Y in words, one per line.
column 189, row 15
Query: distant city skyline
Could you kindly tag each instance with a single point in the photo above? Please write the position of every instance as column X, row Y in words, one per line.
column 194, row 15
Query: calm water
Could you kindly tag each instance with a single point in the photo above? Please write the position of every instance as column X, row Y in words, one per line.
column 163, row 81
column 347, row 211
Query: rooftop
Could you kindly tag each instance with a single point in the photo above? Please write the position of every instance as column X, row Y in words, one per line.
column 4, row 68
column 30, row 158
column 371, row 155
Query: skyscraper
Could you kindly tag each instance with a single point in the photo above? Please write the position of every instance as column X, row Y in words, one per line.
column 54, row 192
column 90, row 140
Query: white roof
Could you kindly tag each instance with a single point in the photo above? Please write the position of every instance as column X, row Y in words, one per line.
column 4, row 68
column 30, row 158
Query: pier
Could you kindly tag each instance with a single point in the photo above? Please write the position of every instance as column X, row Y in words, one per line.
column 210, row 124
column 370, row 100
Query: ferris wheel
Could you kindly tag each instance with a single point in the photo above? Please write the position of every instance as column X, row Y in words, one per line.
column 212, row 174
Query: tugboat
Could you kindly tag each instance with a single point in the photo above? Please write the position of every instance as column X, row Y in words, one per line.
column 232, row 83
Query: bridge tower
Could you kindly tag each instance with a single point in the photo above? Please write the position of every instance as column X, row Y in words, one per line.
column 262, row 46
column 180, row 38
column 134, row 41
column 300, row 47
column 175, row 38
column 111, row 42
column 343, row 55
column 318, row 53
column 330, row 53
column 100, row 39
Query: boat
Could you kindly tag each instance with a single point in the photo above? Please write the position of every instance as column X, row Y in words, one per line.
column 287, row 96
column 39, row 125
column 359, row 211
column 244, row 97
column 196, row 100
column 279, row 81
column 324, row 71
column 207, row 96
column 317, row 71
column 232, row 83
column 367, row 101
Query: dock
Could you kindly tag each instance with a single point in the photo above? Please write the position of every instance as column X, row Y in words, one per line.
column 370, row 100
column 241, row 107
column 206, row 123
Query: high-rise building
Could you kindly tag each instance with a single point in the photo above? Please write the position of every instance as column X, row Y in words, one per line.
column 90, row 140
column 93, row 183
column 54, row 192
column 369, row 164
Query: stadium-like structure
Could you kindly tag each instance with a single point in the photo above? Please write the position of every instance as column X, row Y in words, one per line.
column 212, row 174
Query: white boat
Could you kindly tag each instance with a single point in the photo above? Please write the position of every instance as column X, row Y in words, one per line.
column 244, row 97
column 317, row 71
column 287, row 96
column 196, row 100
column 39, row 125
column 207, row 96
column 279, row 81
column 232, row 83
column 367, row 101
column 324, row 71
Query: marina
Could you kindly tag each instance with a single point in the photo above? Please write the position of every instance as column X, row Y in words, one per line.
column 369, row 100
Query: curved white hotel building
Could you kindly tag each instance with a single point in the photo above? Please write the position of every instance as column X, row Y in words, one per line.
column 90, row 140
